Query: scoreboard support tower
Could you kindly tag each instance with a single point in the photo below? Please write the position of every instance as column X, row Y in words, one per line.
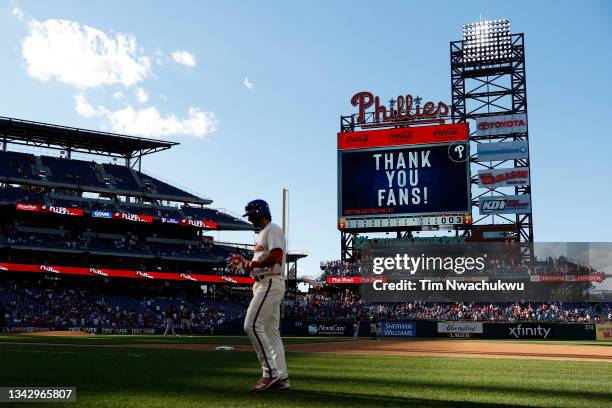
column 483, row 89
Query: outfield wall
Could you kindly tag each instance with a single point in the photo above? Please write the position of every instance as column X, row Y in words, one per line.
column 391, row 329
column 452, row 329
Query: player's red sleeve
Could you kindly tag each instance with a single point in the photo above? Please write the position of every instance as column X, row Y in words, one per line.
column 277, row 253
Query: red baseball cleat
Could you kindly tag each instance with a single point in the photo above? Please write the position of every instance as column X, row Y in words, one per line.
column 282, row 384
column 265, row 383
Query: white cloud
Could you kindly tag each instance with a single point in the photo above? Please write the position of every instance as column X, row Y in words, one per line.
column 141, row 95
column 17, row 12
column 184, row 58
column 248, row 84
column 118, row 95
column 149, row 122
column 82, row 56
column 85, row 109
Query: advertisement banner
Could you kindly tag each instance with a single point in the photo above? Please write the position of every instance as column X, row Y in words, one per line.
column 64, row 210
column 426, row 179
column 133, row 217
column 493, row 178
column 403, row 136
column 511, row 204
column 101, row 214
column 460, row 329
column 28, row 207
column 503, row 150
column 501, row 125
column 603, row 332
column 170, row 220
column 199, row 224
column 529, row 331
column 123, row 273
column 339, row 280
column 398, row 329
column 327, row 329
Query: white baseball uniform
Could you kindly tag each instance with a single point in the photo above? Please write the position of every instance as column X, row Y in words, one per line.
column 262, row 321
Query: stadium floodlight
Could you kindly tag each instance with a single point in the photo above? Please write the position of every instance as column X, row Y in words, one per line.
column 486, row 42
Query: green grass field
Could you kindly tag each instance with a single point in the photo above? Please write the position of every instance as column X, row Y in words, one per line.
column 132, row 377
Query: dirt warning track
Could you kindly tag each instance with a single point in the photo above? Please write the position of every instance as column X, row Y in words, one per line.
column 450, row 348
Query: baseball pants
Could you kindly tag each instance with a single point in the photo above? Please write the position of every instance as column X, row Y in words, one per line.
column 262, row 325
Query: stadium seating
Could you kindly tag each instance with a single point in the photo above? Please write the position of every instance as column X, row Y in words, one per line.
column 17, row 165
column 77, row 172
column 20, row 195
column 154, row 186
column 123, row 177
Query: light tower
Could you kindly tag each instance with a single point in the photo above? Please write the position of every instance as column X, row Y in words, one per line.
column 488, row 88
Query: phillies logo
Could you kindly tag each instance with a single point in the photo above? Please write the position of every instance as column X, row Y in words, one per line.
column 144, row 275
column 228, row 279
column 188, row 277
column 98, row 272
column 48, row 269
column 403, row 111
column 3, row 268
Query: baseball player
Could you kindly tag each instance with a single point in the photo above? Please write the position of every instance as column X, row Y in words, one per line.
column 186, row 320
column 356, row 323
column 170, row 321
column 374, row 327
column 262, row 320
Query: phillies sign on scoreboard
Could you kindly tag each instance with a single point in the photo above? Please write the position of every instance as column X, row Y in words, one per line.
column 511, row 204
column 501, row 125
column 384, row 177
column 493, row 178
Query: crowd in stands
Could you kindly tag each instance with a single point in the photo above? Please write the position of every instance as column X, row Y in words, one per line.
column 128, row 243
column 39, row 304
column 49, row 304
column 501, row 266
column 72, row 199
column 345, row 305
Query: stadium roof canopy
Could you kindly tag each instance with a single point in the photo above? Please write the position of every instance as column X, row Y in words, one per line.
column 72, row 139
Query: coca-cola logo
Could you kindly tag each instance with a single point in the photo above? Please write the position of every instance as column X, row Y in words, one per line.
column 357, row 139
column 445, row 133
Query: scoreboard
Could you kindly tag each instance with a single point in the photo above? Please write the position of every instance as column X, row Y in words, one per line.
column 417, row 178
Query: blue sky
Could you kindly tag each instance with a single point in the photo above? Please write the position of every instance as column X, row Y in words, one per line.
column 302, row 62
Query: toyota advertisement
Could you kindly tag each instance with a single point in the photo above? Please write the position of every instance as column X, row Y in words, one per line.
column 501, row 125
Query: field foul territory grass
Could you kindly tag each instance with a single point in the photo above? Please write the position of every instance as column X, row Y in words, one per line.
column 121, row 377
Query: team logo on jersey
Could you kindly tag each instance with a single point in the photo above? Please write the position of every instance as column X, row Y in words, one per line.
column 259, row 248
